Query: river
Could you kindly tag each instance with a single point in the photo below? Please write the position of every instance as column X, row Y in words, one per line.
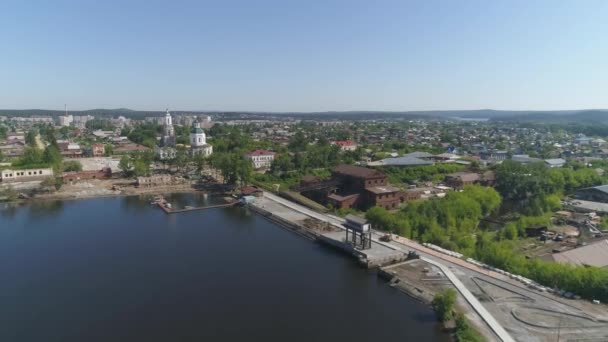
column 119, row 269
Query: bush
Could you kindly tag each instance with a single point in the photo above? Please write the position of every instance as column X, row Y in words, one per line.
column 464, row 332
column 72, row 166
column 443, row 304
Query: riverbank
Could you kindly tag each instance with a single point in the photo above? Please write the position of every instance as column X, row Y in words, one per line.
column 99, row 188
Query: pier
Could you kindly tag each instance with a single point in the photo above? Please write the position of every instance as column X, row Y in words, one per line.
column 166, row 207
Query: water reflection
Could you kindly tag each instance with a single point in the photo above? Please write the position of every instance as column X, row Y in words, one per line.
column 45, row 209
column 136, row 203
column 8, row 210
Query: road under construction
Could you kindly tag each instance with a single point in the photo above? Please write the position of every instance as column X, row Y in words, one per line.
column 501, row 308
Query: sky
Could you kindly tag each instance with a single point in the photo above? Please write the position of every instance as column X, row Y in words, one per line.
column 311, row 55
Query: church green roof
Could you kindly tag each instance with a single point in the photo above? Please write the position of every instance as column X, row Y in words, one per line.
column 197, row 130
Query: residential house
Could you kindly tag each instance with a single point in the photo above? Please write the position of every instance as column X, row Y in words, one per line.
column 260, row 159
column 345, row 145
column 458, row 180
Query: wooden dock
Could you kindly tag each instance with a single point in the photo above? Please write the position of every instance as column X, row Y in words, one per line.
column 163, row 206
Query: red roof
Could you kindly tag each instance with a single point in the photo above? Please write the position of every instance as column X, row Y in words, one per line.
column 344, row 142
column 261, row 153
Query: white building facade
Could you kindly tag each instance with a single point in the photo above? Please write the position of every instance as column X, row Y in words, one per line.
column 198, row 141
column 261, row 159
column 27, row 175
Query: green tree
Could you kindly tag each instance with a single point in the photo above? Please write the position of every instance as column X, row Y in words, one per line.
column 200, row 161
column 52, row 156
column 443, row 304
column 31, row 156
column 109, row 150
column 464, row 332
column 3, row 132
column 298, row 142
column 141, row 168
column 30, row 137
column 282, row 163
column 72, row 166
column 125, row 165
column 181, row 159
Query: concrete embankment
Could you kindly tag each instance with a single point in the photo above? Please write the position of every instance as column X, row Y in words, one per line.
column 325, row 230
column 293, row 226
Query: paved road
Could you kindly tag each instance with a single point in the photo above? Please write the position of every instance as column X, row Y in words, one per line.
column 469, row 297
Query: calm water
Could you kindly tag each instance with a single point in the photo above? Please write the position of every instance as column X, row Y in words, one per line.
column 117, row 269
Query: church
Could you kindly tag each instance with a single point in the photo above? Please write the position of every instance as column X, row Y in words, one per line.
column 198, row 140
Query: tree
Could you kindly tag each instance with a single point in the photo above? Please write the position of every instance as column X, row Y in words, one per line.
column 181, row 158
column 234, row 168
column 299, row 142
column 141, row 168
column 31, row 156
column 64, row 132
column 52, row 156
column 464, row 332
column 109, row 150
column 72, row 166
column 282, row 163
column 443, row 304
column 30, row 137
column 3, row 132
column 125, row 165
column 200, row 161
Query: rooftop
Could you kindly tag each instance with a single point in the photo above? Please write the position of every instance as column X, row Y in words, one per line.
column 418, row 154
column 261, row 153
column 555, row 161
column 355, row 219
column 464, row 176
column 595, row 254
column 602, row 188
column 344, row 143
column 402, row 161
column 356, row 171
column 382, row 189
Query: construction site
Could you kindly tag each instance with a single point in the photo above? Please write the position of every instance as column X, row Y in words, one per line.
column 498, row 306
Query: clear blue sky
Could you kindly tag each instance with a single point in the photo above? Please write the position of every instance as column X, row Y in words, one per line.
column 311, row 55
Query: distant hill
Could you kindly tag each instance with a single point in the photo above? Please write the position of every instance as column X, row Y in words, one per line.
column 564, row 116
column 582, row 116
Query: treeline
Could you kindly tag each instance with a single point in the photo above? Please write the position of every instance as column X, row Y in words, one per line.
column 450, row 222
column 588, row 282
column 102, row 124
column 536, row 188
column 145, row 134
column 33, row 157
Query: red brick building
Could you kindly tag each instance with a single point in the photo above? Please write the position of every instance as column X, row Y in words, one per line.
column 72, row 177
column 354, row 186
